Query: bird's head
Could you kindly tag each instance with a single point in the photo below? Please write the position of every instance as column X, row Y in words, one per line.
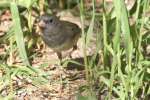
column 46, row 21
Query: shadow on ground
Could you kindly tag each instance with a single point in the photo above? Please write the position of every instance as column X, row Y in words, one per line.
column 78, row 63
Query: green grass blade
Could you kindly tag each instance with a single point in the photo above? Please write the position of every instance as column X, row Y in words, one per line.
column 18, row 33
column 125, row 27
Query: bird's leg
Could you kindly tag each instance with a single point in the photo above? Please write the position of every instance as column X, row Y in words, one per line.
column 59, row 57
column 74, row 48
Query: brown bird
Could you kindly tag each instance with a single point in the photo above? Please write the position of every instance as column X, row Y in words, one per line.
column 59, row 35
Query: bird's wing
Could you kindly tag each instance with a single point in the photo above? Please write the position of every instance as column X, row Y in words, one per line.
column 71, row 28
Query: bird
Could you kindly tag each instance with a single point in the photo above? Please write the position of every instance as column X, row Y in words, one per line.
column 58, row 34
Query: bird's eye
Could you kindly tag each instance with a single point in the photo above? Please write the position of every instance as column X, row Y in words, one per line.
column 50, row 21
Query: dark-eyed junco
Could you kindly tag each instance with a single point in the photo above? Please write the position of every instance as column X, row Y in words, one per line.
column 59, row 35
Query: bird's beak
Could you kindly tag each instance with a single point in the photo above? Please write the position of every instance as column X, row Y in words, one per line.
column 41, row 24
